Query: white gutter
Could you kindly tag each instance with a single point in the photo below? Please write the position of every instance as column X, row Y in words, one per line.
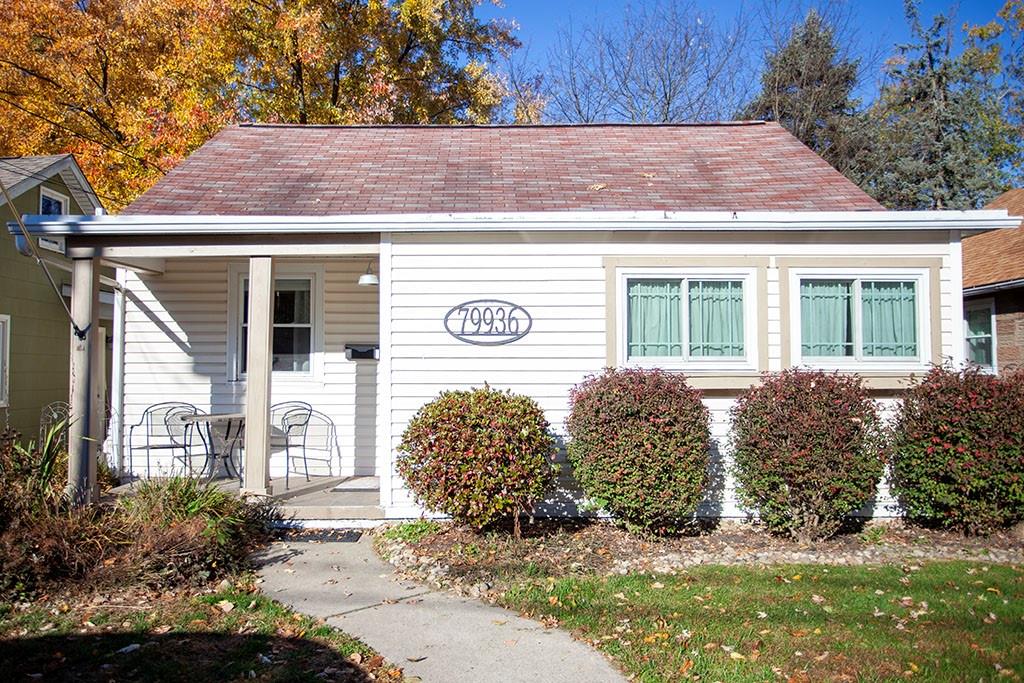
column 994, row 287
column 619, row 221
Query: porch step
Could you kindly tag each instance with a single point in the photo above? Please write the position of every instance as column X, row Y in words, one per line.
column 297, row 512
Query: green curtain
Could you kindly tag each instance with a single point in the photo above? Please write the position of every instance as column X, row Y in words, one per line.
column 716, row 318
column 826, row 312
column 654, row 308
column 979, row 336
column 889, row 318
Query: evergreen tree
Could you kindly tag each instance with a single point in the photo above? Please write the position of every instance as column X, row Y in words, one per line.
column 941, row 136
column 806, row 86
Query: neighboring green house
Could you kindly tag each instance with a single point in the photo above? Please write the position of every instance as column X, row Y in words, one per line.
column 34, row 330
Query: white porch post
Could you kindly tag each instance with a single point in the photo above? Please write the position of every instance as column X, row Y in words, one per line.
column 256, row 478
column 86, row 417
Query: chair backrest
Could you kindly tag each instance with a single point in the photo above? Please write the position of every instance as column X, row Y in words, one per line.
column 291, row 417
column 321, row 433
column 174, row 423
column 163, row 420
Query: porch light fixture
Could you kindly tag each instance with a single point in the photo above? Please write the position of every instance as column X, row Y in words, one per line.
column 368, row 279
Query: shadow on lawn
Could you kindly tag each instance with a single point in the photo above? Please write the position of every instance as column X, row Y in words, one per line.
column 189, row 657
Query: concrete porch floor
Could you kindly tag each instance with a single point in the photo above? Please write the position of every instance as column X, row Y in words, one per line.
column 329, row 498
column 320, row 498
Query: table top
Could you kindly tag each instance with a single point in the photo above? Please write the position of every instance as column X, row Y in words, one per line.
column 213, row 417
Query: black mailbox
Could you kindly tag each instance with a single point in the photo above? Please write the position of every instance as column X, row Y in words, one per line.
column 362, row 352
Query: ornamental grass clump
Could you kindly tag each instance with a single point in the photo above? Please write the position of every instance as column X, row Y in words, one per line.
column 479, row 456
column 958, row 450
column 638, row 445
column 808, row 451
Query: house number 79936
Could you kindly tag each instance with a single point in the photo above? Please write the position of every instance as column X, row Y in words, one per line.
column 488, row 322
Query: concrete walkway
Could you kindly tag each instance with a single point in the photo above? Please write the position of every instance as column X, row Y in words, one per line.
column 436, row 636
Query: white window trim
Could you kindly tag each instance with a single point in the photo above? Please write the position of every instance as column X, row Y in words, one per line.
column 696, row 365
column 64, row 200
column 858, row 362
column 237, row 273
column 5, row 361
column 988, row 303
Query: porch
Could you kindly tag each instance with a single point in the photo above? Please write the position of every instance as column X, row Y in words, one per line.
column 236, row 329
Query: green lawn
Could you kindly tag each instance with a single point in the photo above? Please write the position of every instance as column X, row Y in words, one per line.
column 227, row 635
column 937, row 622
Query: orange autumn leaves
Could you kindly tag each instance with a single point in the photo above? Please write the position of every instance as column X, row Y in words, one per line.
column 133, row 86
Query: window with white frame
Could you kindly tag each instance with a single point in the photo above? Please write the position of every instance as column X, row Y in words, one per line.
column 687, row 319
column 5, row 360
column 296, row 324
column 859, row 317
column 52, row 203
column 980, row 333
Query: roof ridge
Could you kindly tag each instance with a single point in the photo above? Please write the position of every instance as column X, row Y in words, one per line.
column 601, row 124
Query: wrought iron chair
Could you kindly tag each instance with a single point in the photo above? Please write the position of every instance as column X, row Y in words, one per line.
column 163, row 429
column 54, row 414
column 321, row 443
column 290, row 422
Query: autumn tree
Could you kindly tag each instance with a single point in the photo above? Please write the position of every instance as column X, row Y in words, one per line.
column 807, row 86
column 128, row 87
column 355, row 61
column 1000, row 45
column 941, row 136
column 133, row 86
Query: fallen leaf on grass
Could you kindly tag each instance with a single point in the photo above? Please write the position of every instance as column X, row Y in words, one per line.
column 225, row 606
column 160, row 630
column 737, row 656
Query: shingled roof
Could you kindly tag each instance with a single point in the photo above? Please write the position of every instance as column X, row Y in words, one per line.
column 998, row 255
column 338, row 170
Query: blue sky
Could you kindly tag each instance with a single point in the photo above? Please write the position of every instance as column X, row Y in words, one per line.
column 878, row 23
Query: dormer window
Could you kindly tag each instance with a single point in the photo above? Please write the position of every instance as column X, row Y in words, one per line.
column 52, row 203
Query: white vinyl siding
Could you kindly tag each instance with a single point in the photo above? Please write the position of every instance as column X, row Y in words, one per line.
column 176, row 348
column 560, row 280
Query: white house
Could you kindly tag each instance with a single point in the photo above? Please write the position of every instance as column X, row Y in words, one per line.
column 526, row 257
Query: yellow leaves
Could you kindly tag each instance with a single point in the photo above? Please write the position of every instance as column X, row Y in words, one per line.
column 419, row 12
column 133, row 86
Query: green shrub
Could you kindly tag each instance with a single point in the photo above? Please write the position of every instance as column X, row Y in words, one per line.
column 411, row 532
column 808, row 450
column 958, row 450
column 169, row 531
column 638, row 445
column 186, row 526
column 479, row 455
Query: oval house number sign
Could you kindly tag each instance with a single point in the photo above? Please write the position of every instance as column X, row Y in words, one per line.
column 488, row 322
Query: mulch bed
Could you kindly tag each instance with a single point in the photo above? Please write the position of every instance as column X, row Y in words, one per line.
column 459, row 557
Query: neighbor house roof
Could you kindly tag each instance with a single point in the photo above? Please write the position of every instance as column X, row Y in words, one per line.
column 996, row 256
column 350, row 170
column 20, row 174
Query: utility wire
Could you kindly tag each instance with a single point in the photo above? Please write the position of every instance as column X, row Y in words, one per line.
column 13, row 168
column 79, row 332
